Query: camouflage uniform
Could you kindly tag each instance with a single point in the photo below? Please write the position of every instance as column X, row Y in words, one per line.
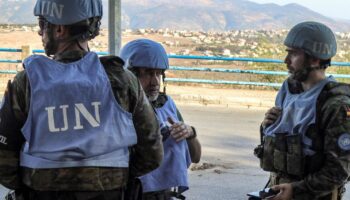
column 145, row 156
column 326, row 172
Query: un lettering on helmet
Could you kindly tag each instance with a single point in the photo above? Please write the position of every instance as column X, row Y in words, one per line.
column 314, row 38
column 51, row 9
column 322, row 48
column 66, row 12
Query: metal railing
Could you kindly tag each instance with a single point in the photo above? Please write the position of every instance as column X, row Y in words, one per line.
column 185, row 68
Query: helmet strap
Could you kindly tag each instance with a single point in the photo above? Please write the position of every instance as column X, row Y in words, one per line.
column 163, row 80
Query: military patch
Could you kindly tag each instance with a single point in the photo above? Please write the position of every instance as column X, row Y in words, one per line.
column 344, row 141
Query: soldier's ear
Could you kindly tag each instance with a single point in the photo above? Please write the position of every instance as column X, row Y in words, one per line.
column 315, row 62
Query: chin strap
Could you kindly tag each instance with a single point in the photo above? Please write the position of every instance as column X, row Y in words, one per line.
column 163, row 82
column 80, row 47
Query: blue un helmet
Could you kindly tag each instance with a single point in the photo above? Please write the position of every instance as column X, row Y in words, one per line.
column 144, row 53
column 315, row 38
column 83, row 17
column 66, row 12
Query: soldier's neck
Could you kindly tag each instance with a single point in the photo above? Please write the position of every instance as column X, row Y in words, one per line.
column 313, row 79
column 71, row 46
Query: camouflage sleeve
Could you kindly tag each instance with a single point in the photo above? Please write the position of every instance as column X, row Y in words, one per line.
column 147, row 154
column 11, row 138
column 335, row 121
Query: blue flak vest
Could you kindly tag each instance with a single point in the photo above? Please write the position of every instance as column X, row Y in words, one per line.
column 74, row 119
column 298, row 112
column 173, row 170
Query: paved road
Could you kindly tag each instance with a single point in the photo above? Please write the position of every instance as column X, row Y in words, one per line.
column 228, row 136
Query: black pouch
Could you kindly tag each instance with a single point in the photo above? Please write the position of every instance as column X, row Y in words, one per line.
column 165, row 132
column 295, row 159
column 259, row 151
column 314, row 163
column 133, row 189
column 266, row 163
column 280, row 152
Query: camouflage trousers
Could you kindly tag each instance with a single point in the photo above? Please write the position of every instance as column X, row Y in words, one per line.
column 70, row 195
column 277, row 178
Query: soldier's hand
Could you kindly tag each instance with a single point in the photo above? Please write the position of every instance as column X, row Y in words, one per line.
column 286, row 192
column 179, row 130
column 271, row 116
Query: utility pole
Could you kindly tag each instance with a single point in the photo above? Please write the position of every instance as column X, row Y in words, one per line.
column 114, row 27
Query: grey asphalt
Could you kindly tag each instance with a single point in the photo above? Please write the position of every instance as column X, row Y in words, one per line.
column 228, row 136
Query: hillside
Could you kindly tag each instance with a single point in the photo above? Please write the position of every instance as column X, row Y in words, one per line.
column 203, row 15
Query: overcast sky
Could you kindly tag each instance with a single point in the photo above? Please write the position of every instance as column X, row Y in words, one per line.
column 338, row 9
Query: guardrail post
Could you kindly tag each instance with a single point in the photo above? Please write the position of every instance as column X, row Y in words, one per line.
column 26, row 52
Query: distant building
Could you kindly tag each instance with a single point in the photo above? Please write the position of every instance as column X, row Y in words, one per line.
column 226, row 52
column 208, row 53
column 127, row 31
column 169, row 43
column 184, row 52
column 141, row 31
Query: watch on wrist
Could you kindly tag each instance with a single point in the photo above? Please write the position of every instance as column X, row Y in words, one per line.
column 194, row 135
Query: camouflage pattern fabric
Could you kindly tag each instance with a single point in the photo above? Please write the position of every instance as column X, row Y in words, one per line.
column 328, row 170
column 30, row 194
column 146, row 155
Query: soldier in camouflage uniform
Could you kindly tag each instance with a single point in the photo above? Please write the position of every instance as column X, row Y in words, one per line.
column 306, row 136
column 70, row 123
column 148, row 60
